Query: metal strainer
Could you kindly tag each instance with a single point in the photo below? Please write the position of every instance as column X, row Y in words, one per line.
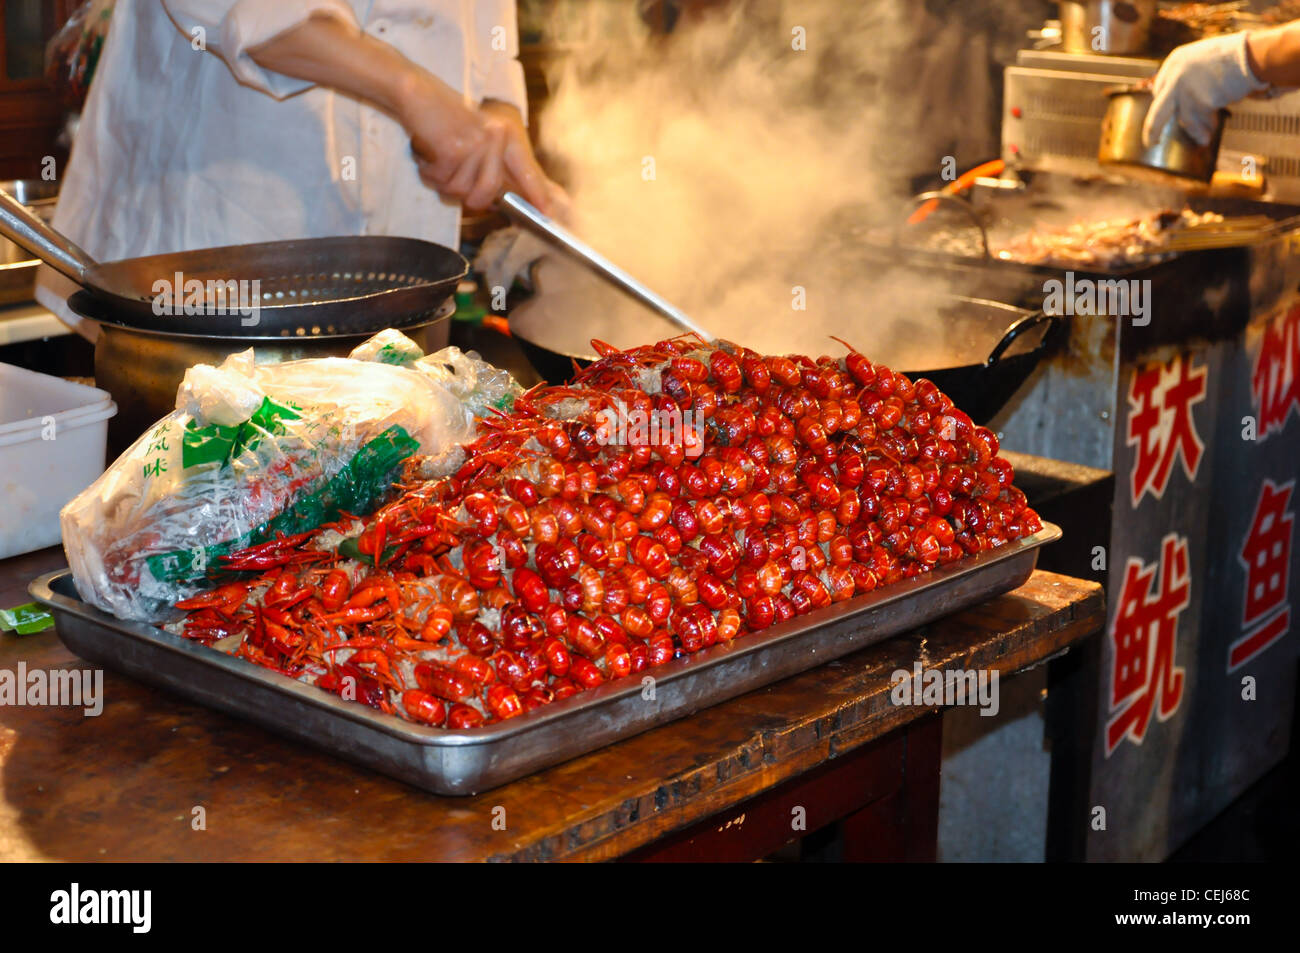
column 303, row 287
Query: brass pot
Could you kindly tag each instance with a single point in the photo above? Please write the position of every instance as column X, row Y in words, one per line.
column 1174, row 159
column 143, row 369
column 1110, row 27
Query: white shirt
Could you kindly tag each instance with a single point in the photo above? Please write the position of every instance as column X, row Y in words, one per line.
column 185, row 142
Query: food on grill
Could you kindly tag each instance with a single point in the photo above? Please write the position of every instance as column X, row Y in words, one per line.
column 1186, row 22
column 1282, row 12
column 676, row 496
column 1107, row 244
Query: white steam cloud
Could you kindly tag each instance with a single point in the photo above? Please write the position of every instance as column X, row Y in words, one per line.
column 742, row 158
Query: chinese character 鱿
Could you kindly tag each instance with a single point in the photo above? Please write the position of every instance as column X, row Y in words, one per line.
column 1161, row 426
column 1275, row 382
column 1266, row 554
column 1145, row 680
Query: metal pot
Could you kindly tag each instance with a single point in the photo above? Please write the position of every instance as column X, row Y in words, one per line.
column 18, row 265
column 142, row 369
column 1175, row 158
column 1111, row 27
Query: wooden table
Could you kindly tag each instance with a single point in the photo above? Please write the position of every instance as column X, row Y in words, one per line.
column 725, row 783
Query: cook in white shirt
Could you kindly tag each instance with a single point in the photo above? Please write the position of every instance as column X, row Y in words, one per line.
column 221, row 122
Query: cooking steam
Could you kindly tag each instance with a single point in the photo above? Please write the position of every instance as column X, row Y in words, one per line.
column 734, row 166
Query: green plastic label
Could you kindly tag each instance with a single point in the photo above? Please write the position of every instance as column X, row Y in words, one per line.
column 399, row 357
column 357, row 488
column 218, row 444
column 26, row 619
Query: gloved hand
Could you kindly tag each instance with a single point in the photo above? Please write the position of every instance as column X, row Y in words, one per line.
column 1196, row 81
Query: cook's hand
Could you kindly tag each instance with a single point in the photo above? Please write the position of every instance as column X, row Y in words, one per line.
column 523, row 174
column 473, row 155
column 1196, row 81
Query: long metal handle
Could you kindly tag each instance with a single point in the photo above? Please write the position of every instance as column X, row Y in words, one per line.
column 23, row 228
column 965, row 205
column 529, row 217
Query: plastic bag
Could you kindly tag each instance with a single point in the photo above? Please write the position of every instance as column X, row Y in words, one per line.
column 388, row 347
column 253, row 451
column 481, row 387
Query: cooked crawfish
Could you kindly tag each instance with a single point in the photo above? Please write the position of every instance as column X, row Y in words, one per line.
column 554, row 561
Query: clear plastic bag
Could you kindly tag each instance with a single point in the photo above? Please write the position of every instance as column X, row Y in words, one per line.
column 254, row 451
column 482, row 387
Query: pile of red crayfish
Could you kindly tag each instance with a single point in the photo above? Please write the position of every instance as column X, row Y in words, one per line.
column 572, row 548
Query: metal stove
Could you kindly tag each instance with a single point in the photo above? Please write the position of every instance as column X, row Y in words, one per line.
column 1174, row 488
column 1053, row 104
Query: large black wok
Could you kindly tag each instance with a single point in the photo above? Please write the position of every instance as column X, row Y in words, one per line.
column 978, row 352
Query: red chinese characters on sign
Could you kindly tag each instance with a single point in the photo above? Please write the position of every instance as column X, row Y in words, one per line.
column 1145, row 681
column 1275, row 382
column 1266, row 554
column 1161, row 426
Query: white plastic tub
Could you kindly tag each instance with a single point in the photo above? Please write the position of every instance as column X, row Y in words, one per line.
column 52, row 438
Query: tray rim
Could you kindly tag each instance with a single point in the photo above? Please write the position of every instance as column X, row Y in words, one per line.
column 41, row 589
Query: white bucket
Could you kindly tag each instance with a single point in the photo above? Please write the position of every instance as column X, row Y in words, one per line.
column 52, row 439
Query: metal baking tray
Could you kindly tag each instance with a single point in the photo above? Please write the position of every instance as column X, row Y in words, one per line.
column 467, row 762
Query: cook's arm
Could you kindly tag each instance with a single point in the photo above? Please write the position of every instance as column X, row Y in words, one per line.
column 325, row 51
column 497, row 83
column 231, row 29
column 1275, row 54
column 285, row 46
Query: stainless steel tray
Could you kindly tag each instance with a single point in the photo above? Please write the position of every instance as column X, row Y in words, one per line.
column 466, row 762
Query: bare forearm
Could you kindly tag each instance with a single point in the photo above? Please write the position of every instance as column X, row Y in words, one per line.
column 324, row 51
column 465, row 153
column 1274, row 54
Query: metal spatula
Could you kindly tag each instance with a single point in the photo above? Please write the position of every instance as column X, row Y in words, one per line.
column 528, row 216
column 306, row 287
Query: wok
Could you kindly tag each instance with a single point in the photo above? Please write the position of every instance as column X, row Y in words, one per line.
column 306, row 287
column 982, row 350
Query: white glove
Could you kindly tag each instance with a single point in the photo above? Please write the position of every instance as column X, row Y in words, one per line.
column 1196, row 81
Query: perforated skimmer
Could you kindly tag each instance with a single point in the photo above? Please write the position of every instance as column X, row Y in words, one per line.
column 304, row 287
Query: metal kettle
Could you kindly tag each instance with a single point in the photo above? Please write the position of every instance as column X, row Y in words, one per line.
column 1110, row 27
